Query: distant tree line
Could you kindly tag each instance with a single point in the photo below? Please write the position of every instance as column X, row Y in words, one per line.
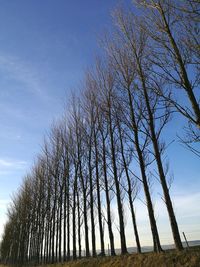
column 149, row 70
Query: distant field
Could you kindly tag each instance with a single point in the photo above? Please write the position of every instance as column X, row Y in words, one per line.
column 170, row 258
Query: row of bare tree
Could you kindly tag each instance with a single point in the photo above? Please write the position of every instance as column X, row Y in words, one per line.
column 109, row 134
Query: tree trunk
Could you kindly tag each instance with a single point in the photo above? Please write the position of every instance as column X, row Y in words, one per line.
column 109, row 221
column 74, row 216
column 183, row 72
column 85, row 212
column 118, row 193
column 154, row 230
column 129, row 191
column 79, row 225
column 99, row 197
column 91, row 201
column 174, row 225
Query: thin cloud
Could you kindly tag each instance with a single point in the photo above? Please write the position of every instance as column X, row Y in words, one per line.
column 15, row 68
column 10, row 163
column 186, row 204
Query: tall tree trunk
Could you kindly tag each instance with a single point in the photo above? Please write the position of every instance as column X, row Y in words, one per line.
column 109, row 221
column 54, row 225
column 85, row 212
column 74, row 216
column 168, row 202
column 183, row 72
column 57, row 230
column 154, row 230
column 99, row 197
column 118, row 193
column 65, row 217
column 91, row 199
column 79, row 225
column 60, row 225
column 130, row 189
column 68, row 220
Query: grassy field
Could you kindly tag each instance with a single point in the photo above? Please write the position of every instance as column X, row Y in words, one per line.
column 186, row 258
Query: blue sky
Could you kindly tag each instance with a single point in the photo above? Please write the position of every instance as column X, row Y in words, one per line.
column 45, row 47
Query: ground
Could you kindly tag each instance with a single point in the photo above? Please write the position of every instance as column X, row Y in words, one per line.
column 187, row 258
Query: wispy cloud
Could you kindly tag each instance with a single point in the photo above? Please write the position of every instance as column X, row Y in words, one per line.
column 186, row 204
column 23, row 72
column 12, row 163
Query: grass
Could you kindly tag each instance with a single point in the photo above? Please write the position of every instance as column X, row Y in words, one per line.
column 171, row 258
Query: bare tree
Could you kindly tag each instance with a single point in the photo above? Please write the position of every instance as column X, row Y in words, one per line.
column 174, row 29
column 103, row 130
column 88, row 107
column 79, row 135
column 125, row 69
column 105, row 83
column 130, row 187
column 90, row 157
column 157, row 112
column 175, row 57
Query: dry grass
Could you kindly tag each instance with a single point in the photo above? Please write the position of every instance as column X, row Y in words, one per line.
column 186, row 258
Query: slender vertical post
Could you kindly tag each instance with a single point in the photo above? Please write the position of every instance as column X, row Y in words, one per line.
column 185, row 239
